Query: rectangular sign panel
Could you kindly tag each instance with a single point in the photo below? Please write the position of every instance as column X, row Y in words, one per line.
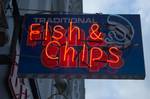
column 82, row 46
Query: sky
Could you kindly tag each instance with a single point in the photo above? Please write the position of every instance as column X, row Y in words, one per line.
column 122, row 89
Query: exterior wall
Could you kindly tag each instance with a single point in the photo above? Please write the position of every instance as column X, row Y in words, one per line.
column 70, row 6
column 32, row 6
column 45, row 86
column 78, row 91
column 75, row 6
column 20, row 87
column 4, row 50
column 4, row 91
column 75, row 90
column 10, row 84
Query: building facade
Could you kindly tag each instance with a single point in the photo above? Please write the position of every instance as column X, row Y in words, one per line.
column 34, row 88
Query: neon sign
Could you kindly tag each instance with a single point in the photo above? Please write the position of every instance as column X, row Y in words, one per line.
column 62, row 44
column 87, row 46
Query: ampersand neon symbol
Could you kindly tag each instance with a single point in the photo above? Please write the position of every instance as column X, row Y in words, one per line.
column 94, row 33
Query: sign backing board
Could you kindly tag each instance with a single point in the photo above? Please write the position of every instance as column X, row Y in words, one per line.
column 82, row 46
